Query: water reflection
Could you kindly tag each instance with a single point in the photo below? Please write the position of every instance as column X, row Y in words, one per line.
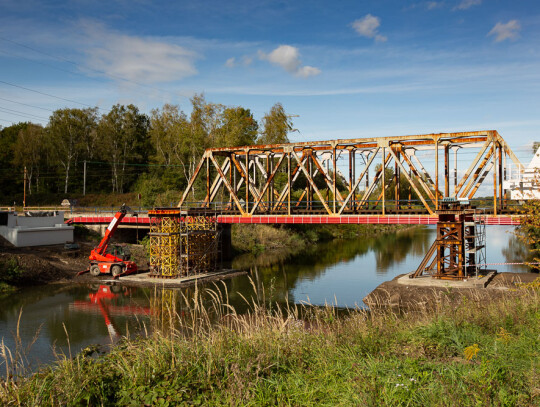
column 343, row 270
column 339, row 272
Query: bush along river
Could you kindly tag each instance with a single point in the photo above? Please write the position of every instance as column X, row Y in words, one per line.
column 39, row 323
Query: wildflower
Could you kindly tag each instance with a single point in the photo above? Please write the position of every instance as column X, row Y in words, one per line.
column 470, row 352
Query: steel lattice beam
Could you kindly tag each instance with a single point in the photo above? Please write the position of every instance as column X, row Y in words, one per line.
column 307, row 177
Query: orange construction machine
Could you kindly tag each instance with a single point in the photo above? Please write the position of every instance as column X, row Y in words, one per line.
column 113, row 258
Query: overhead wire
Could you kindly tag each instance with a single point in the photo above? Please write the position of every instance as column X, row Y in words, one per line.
column 26, row 104
column 18, row 112
column 101, row 72
column 45, row 94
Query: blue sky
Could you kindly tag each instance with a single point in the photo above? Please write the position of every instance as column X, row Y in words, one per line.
column 346, row 68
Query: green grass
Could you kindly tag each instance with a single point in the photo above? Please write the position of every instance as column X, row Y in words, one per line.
column 295, row 238
column 477, row 354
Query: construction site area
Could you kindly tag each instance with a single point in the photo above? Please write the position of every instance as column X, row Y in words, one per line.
column 191, row 241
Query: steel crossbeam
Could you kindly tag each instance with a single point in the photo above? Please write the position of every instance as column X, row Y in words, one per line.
column 320, row 177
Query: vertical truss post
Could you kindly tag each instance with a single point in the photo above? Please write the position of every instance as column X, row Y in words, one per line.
column 247, row 180
column 455, row 170
column 309, row 201
column 436, row 174
column 383, row 180
column 351, row 177
column 334, row 162
column 353, row 203
column 446, row 171
column 289, row 183
column 232, row 178
column 208, row 180
column 494, row 149
column 367, row 169
column 501, row 193
column 268, row 172
column 396, row 179
column 410, row 189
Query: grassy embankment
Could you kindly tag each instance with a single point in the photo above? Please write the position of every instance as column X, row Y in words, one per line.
column 295, row 238
column 473, row 354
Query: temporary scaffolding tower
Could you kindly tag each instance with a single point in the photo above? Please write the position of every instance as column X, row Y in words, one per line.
column 458, row 251
column 183, row 242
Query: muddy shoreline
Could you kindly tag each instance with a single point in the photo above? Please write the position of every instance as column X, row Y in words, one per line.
column 392, row 294
column 54, row 264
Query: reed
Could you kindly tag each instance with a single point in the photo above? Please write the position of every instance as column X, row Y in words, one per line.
column 203, row 352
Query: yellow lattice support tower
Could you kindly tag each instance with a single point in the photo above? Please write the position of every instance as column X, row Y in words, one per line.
column 199, row 242
column 183, row 242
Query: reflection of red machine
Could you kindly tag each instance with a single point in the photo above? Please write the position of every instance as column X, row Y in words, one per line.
column 114, row 259
column 103, row 300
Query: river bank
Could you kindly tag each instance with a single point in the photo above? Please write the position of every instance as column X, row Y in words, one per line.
column 54, row 264
column 467, row 354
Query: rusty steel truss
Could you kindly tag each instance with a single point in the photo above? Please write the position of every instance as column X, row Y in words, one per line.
column 346, row 176
column 459, row 249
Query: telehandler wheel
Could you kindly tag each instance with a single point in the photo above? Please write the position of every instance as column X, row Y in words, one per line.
column 115, row 270
column 94, row 270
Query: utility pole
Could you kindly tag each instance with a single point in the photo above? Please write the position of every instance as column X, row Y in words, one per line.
column 24, row 189
column 84, row 179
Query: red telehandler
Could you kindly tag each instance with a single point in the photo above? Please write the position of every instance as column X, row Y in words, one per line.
column 114, row 258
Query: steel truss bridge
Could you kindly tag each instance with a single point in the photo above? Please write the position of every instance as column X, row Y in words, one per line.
column 340, row 178
column 342, row 181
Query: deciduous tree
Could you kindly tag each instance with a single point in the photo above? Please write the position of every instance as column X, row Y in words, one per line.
column 276, row 126
column 29, row 152
column 67, row 131
column 123, row 137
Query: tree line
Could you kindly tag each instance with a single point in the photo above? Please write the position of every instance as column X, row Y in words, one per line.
column 125, row 150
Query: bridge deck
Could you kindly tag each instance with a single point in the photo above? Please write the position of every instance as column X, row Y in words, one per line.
column 305, row 219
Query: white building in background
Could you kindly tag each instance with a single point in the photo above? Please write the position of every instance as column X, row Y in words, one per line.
column 526, row 184
column 39, row 228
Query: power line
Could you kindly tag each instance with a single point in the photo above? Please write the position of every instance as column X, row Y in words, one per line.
column 18, row 112
column 46, row 94
column 25, row 104
column 81, row 67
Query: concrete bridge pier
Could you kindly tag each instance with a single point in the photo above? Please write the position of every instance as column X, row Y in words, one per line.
column 225, row 243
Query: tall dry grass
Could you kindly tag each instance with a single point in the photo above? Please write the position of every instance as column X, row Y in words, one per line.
column 203, row 352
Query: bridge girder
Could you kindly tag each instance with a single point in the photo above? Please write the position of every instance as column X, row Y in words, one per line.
column 320, row 176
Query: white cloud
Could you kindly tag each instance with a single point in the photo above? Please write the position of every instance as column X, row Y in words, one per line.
column 465, row 4
column 431, row 5
column 233, row 63
column 306, row 71
column 508, row 31
column 289, row 59
column 368, row 26
column 136, row 58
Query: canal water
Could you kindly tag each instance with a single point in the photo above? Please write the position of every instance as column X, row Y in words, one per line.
column 54, row 320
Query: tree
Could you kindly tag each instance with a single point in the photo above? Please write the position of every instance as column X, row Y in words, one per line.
column 67, row 131
column 276, row 126
column 239, row 128
column 29, row 152
column 10, row 179
column 206, row 119
column 123, row 137
column 167, row 127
